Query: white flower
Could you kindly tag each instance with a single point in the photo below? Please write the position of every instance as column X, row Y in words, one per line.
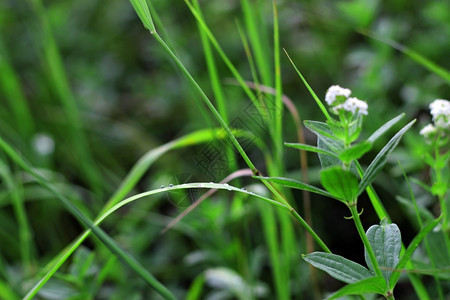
column 428, row 131
column 440, row 110
column 335, row 92
column 354, row 105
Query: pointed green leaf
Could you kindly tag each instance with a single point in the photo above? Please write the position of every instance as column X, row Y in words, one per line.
column 388, row 125
column 374, row 285
column 141, row 8
column 323, row 131
column 355, row 152
column 338, row 267
column 325, row 159
column 379, row 161
column 342, row 184
column 386, row 243
column 291, row 183
column 411, row 248
column 310, row 148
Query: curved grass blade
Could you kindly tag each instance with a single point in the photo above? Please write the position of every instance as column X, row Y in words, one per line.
column 233, row 139
column 104, row 237
column 338, row 267
column 130, row 181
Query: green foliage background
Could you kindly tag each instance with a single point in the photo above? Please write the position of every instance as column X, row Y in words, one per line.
column 119, row 96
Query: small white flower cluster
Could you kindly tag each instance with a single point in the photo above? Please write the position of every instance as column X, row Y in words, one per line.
column 338, row 98
column 440, row 110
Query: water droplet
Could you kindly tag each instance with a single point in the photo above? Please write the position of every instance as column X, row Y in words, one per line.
column 211, row 182
column 226, row 184
column 170, row 185
column 162, row 186
column 243, row 189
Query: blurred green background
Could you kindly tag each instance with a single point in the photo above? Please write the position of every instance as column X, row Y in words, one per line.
column 86, row 91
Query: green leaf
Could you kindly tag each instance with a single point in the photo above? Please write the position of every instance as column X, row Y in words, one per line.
column 355, row 152
column 291, row 183
column 141, row 8
column 386, row 243
column 323, row 131
column 327, row 160
column 370, row 285
column 439, row 188
column 338, row 267
column 342, row 184
column 388, row 125
column 379, row 161
column 310, row 148
column 410, row 250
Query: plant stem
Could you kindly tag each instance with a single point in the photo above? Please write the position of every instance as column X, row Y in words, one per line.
column 365, row 240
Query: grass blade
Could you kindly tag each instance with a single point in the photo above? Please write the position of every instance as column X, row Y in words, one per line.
column 130, row 181
column 318, row 102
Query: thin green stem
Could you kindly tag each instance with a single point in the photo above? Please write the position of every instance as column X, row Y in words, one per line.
column 311, row 91
column 365, row 240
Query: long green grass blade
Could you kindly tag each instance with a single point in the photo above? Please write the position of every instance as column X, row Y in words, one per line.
column 125, row 187
column 311, row 91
